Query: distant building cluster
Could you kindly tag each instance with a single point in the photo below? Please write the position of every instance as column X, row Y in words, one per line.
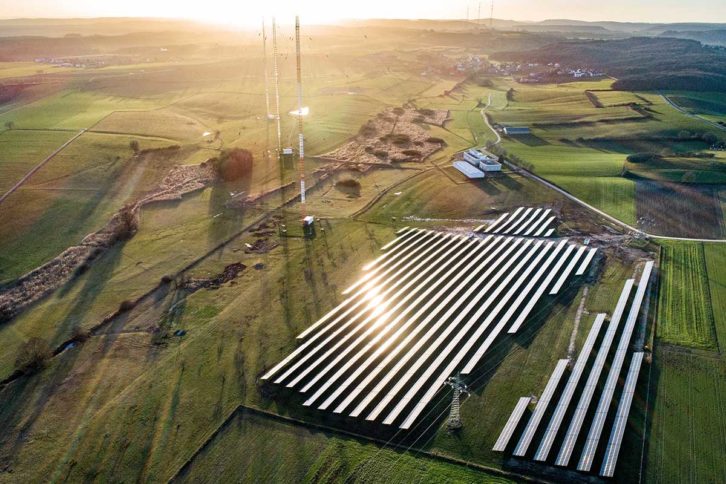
column 534, row 72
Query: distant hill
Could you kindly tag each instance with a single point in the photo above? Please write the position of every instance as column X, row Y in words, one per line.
column 712, row 37
column 639, row 63
column 52, row 27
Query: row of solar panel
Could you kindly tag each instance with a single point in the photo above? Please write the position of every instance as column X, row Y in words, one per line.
column 415, row 317
column 529, row 222
column 582, row 408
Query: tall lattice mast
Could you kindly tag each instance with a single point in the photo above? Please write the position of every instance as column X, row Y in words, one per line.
column 301, row 138
column 276, row 74
column 264, row 65
column 491, row 16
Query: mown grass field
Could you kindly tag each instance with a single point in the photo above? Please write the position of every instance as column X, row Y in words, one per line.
column 685, row 313
column 21, row 151
column 295, row 453
column 686, row 437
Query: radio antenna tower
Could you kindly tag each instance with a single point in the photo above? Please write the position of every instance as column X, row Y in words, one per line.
column 276, row 74
column 491, row 16
column 460, row 388
column 478, row 16
column 264, row 65
column 301, row 138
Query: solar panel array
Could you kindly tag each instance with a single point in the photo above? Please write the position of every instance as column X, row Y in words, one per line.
column 433, row 305
column 583, row 411
column 527, row 222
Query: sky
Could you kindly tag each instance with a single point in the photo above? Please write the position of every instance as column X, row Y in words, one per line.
column 248, row 12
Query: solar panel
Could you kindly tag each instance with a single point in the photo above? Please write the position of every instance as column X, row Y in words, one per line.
column 507, row 222
column 378, row 317
column 540, row 409
column 621, row 418
column 398, row 252
column 530, row 305
column 497, row 222
column 593, row 437
column 371, row 279
column 511, row 425
column 470, row 271
column 563, row 458
column 402, row 235
column 544, row 226
column 535, row 225
column 493, row 278
column 408, row 240
column 562, row 406
column 586, row 262
column 431, row 283
column 561, row 281
column 461, row 354
column 527, row 222
column 441, row 244
column 513, row 307
column 481, row 284
column 517, row 222
column 421, row 270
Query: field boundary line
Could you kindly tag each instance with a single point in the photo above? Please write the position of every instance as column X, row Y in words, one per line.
column 40, row 165
column 242, row 408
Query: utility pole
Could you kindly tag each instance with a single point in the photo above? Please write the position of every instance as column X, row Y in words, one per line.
column 460, row 388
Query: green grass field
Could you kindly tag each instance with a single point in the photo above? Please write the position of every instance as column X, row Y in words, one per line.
column 686, row 436
column 21, row 151
column 685, row 313
column 682, row 169
column 298, row 454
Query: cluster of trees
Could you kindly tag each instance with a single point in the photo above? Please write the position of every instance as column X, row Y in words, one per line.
column 233, row 164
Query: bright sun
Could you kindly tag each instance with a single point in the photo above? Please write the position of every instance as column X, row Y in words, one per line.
column 243, row 14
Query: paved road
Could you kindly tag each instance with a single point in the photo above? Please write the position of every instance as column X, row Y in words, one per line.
column 691, row 115
column 567, row 194
column 39, row 166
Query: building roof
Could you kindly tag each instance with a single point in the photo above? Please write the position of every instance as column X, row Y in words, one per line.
column 468, row 170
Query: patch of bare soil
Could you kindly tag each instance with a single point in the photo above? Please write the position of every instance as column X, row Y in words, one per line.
column 394, row 136
column 678, row 210
column 229, row 273
column 43, row 280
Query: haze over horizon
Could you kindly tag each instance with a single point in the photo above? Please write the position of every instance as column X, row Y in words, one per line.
column 318, row 11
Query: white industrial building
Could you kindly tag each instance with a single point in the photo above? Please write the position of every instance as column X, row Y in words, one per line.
column 485, row 162
column 468, row 170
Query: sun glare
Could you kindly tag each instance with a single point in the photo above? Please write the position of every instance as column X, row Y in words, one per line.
column 231, row 13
